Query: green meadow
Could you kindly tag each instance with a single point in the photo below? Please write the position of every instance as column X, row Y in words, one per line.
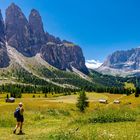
column 57, row 118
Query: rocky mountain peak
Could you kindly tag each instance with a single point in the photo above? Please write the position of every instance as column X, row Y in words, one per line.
column 17, row 29
column 2, row 29
column 4, row 58
column 53, row 39
column 29, row 38
column 122, row 62
column 14, row 10
column 13, row 5
column 38, row 35
column 36, row 26
column 36, row 14
column 1, row 18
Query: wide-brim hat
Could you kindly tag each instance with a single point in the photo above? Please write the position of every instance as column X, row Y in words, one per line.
column 20, row 103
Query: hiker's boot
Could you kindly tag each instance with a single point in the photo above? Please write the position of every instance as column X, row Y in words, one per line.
column 20, row 132
column 14, row 132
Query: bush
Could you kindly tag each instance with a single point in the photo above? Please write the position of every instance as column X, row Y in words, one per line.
column 112, row 115
column 64, row 112
column 38, row 117
column 66, row 135
column 52, row 112
column 56, row 112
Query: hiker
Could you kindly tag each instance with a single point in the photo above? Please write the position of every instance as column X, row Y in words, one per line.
column 18, row 114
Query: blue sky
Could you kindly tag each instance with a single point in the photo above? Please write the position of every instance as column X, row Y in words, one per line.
column 98, row 26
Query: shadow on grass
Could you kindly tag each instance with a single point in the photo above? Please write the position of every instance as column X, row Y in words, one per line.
column 20, row 133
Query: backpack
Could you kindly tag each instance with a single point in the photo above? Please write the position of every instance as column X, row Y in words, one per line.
column 17, row 113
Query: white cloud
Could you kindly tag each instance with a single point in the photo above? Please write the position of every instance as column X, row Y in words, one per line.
column 93, row 64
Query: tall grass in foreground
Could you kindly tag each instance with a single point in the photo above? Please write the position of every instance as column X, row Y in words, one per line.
column 108, row 115
column 112, row 115
column 60, row 121
column 113, row 131
column 114, row 121
column 6, row 120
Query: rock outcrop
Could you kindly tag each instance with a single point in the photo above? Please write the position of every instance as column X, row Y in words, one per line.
column 29, row 38
column 2, row 30
column 4, row 58
column 18, row 30
column 38, row 36
column 122, row 62
column 64, row 56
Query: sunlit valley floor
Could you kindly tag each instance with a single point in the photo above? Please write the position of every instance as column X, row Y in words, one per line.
column 57, row 118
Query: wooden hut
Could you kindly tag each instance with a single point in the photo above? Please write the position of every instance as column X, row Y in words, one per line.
column 116, row 102
column 104, row 101
column 10, row 100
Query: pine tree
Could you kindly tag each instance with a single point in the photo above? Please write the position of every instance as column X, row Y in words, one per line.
column 137, row 89
column 137, row 93
column 82, row 101
column 7, row 96
column 45, row 95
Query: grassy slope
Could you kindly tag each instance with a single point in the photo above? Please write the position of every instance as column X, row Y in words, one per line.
column 106, row 80
column 37, row 67
column 57, row 118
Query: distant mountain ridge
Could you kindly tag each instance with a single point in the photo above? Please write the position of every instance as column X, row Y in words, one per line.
column 122, row 63
column 29, row 38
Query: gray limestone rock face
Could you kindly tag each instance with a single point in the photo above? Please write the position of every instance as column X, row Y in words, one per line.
column 29, row 38
column 4, row 58
column 18, row 30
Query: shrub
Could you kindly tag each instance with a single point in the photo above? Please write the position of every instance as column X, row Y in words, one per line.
column 38, row 116
column 52, row 112
column 55, row 112
column 64, row 112
column 66, row 135
column 112, row 115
